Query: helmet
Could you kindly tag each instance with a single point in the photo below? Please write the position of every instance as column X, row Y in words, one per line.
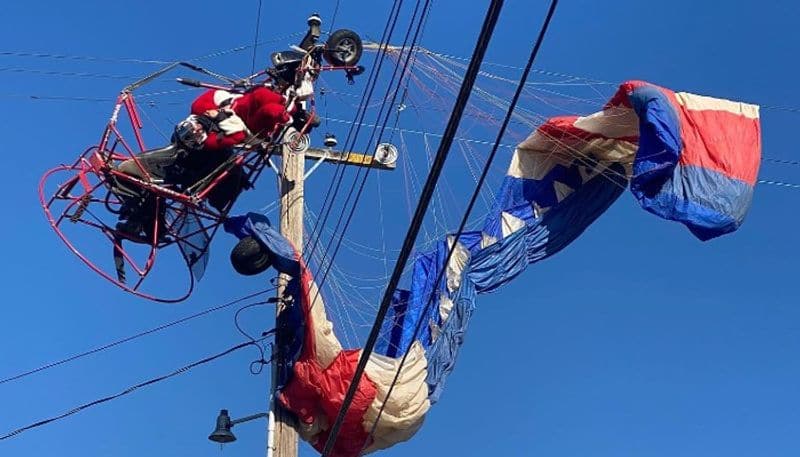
column 191, row 133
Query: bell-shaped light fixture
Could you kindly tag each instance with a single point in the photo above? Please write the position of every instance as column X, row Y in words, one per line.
column 222, row 432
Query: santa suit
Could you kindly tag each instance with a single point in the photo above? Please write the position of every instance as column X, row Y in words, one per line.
column 260, row 110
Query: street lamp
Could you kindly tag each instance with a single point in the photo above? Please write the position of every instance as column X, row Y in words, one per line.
column 222, row 432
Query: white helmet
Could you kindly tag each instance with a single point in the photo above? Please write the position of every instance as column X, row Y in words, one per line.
column 191, row 133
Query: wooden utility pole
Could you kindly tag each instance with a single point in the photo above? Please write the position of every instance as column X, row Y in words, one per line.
column 283, row 442
column 292, row 204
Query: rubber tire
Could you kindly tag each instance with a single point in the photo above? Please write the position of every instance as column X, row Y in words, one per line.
column 249, row 258
column 337, row 37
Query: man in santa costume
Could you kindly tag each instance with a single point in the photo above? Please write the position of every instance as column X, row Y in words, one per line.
column 237, row 116
column 219, row 121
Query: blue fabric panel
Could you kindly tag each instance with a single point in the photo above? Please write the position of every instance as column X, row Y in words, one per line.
column 660, row 141
column 427, row 267
column 442, row 355
column 567, row 221
column 709, row 203
column 258, row 226
column 284, row 260
column 394, row 325
column 498, row 263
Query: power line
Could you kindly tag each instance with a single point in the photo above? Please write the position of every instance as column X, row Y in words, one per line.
column 47, row 55
column 779, row 183
column 482, row 44
column 333, row 17
column 353, row 132
column 360, row 190
column 255, row 40
column 509, row 113
column 132, row 337
column 781, row 161
column 127, row 391
column 76, row 74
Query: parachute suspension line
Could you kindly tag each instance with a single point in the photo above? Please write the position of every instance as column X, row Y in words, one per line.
column 334, row 291
column 383, row 231
column 440, row 219
column 352, row 134
column 383, row 106
column 255, row 40
column 482, row 44
column 537, row 45
column 580, row 157
column 469, row 156
column 403, row 72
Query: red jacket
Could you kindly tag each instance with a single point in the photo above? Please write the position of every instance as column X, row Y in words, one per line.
column 261, row 109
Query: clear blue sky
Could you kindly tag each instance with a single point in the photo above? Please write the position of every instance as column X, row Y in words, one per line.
column 637, row 340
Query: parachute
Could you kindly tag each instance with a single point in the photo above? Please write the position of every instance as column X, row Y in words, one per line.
column 687, row 158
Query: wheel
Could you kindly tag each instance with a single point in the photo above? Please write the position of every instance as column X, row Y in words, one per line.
column 249, row 258
column 343, row 48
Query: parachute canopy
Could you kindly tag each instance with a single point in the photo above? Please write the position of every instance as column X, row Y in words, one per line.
column 687, row 158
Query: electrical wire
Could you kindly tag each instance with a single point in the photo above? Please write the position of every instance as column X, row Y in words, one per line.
column 779, row 183
column 255, row 40
column 127, row 339
column 260, row 362
column 341, row 233
column 333, row 16
column 352, row 134
column 534, row 51
column 76, row 74
column 78, row 57
column 492, row 15
column 128, row 390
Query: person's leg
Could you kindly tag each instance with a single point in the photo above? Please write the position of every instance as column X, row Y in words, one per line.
column 139, row 206
column 227, row 190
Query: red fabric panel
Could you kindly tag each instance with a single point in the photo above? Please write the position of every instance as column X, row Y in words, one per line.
column 314, row 392
column 721, row 141
column 563, row 128
column 620, row 98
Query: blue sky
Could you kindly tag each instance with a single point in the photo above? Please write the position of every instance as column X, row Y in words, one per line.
column 637, row 340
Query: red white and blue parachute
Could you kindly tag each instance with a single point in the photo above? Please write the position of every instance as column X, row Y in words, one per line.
column 687, row 158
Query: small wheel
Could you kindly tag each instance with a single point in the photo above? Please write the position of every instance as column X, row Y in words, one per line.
column 343, row 48
column 249, row 258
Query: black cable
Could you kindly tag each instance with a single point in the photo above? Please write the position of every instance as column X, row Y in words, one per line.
column 133, row 337
column 333, row 17
column 126, row 391
column 260, row 362
column 338, row 175
column 74, row 57
column 341, row 233
column 523, row 78
column 255, row 40
column 484, row 37
column 76, row 74
column 358, row 193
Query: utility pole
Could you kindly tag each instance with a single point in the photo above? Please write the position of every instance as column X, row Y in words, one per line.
column 284, row 436
column 282, row 441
